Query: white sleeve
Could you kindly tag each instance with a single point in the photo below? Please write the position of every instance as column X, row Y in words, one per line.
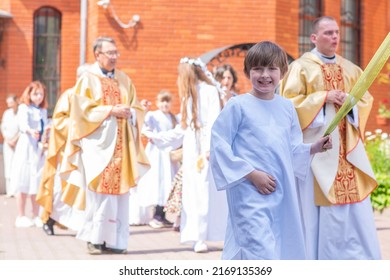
column 227, row 168
column 4, row 125
column 300, row 150
column 170, row 139
column 22, row 117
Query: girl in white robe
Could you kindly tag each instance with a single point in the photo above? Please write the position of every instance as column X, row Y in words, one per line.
column 200, row 107
column 29, row 154
column 154, row 187
column 256, row 154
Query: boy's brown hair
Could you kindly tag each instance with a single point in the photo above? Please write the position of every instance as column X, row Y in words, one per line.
column 266, row 53
column 164, row 95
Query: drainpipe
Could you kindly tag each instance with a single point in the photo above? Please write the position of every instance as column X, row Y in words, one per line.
column 83, row 30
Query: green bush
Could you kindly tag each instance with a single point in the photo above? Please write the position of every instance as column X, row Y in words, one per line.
column 378, row 150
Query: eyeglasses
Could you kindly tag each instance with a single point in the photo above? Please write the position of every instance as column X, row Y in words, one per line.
column 111, row 53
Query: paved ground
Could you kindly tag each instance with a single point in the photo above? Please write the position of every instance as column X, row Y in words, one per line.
column 145, row 243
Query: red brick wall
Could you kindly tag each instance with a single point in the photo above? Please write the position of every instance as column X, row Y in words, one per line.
column 287, row 27
column 169, row 30
column 375, row 27
column 19, row 44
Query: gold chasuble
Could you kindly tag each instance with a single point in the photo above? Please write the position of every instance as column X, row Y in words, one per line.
column 103, row 153
column 343, row 174
column 57, row 140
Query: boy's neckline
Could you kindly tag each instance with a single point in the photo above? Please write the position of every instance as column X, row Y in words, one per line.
column 259, row 97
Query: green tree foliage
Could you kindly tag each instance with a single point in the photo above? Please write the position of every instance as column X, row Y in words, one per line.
column 378, row 150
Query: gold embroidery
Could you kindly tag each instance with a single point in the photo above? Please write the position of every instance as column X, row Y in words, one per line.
column 111, row 177
column 345, row 184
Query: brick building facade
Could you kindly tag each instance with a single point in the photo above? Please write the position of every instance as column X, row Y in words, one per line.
column 167, row 31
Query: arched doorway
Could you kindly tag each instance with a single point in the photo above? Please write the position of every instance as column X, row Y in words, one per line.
column 47, row 52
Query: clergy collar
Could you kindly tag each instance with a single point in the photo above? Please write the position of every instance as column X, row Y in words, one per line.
column 324, row 58
column 328, row 57
column 107, row 73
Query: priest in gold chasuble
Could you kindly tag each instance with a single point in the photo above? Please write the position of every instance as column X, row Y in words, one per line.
column 104, row 154
column 335, row 203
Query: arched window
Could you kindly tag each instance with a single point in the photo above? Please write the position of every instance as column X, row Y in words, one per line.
column 308, row 11
column 47, row 51
column 350, row 30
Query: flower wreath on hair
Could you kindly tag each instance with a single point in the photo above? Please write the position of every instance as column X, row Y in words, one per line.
column 199, row 63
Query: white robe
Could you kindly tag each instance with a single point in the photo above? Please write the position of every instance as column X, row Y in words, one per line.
column 154, row 187
column 9, row 130
column 197, row 217
column 156, row 184
column 347, row 231
column 28, row 158
column 106, row 217
column 106, row 220
column 255, row 134
column 66, row 215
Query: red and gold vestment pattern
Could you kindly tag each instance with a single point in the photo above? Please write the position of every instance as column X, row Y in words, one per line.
column 111, row 176
column 345, row 184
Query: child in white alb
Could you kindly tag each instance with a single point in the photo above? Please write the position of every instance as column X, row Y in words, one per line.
column 29, row 155
column 154, row 187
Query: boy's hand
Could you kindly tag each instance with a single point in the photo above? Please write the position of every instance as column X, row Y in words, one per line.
column 325, row 143
column 265, row 183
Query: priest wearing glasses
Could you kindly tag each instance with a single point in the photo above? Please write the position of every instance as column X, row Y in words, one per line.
column 104, row 154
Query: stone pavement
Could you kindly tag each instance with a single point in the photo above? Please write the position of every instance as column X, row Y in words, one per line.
column 145, row 243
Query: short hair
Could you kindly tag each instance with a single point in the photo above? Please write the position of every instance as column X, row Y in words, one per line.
column 97, row 45
column 266, row 53
column 164, row 95
column 317, row 21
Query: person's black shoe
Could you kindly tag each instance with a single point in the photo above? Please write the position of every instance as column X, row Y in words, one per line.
column 159, row 220
column 48, row 227
column 114, row 251
column 107, row 250
column 176, row 228
column 166, row 223
column 95, row 249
